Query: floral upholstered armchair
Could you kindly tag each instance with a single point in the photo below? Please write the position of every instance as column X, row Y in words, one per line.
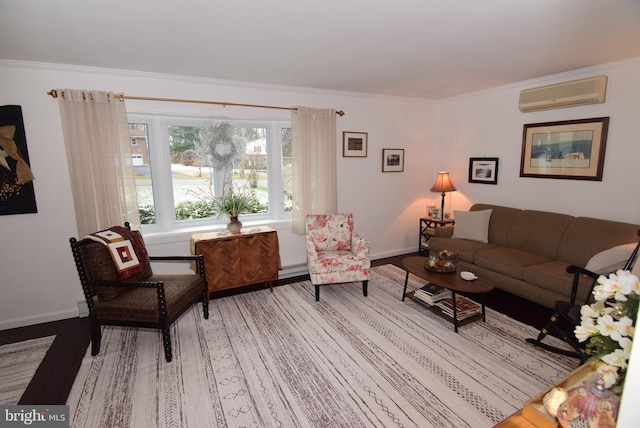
column 335, row 253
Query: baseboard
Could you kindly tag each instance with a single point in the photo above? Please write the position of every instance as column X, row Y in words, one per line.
column 293, row 270
column 82, row 310
column 38, row 319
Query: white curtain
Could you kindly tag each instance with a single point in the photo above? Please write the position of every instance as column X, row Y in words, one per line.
column 98, row 146
column 313, row 150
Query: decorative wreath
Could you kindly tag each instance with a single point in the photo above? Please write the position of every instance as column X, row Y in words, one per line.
column 221, row 134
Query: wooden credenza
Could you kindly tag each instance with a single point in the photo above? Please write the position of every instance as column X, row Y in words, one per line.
column 234, row 260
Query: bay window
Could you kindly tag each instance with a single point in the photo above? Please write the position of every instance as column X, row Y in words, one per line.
column 182, row 163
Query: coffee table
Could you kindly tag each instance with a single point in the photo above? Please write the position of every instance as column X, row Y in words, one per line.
column 451, row 281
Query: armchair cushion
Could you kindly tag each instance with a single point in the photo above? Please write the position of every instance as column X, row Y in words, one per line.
column 126, row 248
column 99, row 266
column 330, row 232
column 140, row 304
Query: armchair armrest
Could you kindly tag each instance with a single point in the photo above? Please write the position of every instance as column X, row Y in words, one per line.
column 176, row 258
column 197, row 261
column 312, row 254
column 359, row 246
column 577, row 271
column 127, row 284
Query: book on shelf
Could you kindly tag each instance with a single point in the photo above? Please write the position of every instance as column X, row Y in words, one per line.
column 431, row 289
column 464, row 307
column 431, row 299
column 459, row 316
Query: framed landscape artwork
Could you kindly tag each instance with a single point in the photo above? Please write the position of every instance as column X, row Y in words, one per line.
column 354, row 144
column 483, row 170
column 571, row 149
column 392, row 160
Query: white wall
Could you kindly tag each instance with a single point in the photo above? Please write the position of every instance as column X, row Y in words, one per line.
column 490, row 124
column 39, row 282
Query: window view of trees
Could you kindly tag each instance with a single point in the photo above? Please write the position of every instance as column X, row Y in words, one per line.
column 203, row 161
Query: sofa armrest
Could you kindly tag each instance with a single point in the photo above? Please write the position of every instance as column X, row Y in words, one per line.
column 444, row 231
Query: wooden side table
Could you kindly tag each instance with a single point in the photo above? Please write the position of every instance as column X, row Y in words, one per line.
column 234, row 260
column 428, row 227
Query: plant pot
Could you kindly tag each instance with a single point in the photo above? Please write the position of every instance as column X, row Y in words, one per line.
column 234, row 225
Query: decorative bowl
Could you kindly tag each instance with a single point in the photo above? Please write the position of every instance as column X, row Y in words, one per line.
column 444, row 262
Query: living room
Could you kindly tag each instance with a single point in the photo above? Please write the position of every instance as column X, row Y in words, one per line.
column 436, row 135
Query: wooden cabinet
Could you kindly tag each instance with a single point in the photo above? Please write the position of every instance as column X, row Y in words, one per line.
column 234, row 260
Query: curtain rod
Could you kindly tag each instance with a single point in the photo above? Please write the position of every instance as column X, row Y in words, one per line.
column 54, row 94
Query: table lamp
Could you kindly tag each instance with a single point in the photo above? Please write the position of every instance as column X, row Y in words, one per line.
column 443, row 184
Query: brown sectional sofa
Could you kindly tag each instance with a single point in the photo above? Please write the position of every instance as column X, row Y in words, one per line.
column 528, row 251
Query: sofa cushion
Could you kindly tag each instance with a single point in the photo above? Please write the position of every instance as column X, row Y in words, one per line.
column 611, row 259
column 587, row 236
column 538, row 232
column 500, row 222
column 553, row 276
column 472, row 225
column 465, row 248
column 509, row 261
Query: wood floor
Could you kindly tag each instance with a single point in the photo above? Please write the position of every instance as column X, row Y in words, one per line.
column 54, row 378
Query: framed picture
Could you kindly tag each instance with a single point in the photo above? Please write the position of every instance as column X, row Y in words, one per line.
column 17, row 194
column 354, row 144
column 483, row 170
column 572, row 149
column 392, row 160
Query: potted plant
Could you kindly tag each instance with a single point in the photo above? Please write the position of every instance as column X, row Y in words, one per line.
column 232, row 203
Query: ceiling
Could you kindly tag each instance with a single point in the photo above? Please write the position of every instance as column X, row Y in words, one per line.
column 430, row 49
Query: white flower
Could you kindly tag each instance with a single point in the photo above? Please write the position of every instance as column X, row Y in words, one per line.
column 606, row 325
column 586, row 329
column 624, row 327
column 609, row 374
column 626, row 343
column 589, row 311
column 617, row 358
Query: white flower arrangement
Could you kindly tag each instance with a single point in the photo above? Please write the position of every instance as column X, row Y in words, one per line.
column 608, row 324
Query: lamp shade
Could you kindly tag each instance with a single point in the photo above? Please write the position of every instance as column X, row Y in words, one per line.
column 443, row 183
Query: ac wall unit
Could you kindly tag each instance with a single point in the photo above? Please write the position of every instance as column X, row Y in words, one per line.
column 577, row 92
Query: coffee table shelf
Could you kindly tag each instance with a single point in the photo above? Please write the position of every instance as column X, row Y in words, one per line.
column 438, row 311
column 450, row 281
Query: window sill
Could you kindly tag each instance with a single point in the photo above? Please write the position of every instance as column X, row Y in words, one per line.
column 184, row 234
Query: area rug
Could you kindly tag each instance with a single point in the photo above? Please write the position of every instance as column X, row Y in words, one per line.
column 18, row 363
column 282, row 359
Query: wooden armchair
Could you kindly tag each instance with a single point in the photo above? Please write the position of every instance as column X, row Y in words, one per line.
column 133, row 296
